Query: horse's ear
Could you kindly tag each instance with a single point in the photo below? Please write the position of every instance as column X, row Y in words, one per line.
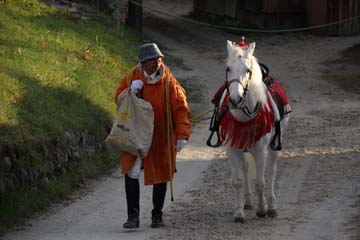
column 251, row 49
column 230, row 46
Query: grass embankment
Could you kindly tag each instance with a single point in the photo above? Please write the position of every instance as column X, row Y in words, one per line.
column 58, row 74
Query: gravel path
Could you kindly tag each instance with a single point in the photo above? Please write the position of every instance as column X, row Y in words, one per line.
column 318, row 181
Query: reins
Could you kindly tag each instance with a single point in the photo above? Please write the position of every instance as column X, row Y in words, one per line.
column 245, row 86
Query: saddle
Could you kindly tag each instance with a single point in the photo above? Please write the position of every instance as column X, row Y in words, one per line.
column 277, row 92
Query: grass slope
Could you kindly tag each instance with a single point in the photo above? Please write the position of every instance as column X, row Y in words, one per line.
column 57, row 74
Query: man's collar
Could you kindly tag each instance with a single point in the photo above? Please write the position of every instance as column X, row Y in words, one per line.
column 155, row 76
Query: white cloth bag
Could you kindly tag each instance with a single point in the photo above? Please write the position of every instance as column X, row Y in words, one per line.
column 133, row 127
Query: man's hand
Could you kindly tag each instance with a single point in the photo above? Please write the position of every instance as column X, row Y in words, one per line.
column 180, row 144
column 136, row 85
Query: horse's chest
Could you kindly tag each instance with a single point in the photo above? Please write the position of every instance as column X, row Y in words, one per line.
column 245, row 134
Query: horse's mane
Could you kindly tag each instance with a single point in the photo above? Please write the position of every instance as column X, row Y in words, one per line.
column 256, row 82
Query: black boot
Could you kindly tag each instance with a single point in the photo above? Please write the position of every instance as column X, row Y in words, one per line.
column 132, row 190
column 159, row 193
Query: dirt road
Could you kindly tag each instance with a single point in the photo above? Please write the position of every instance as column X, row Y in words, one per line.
column 318, row 181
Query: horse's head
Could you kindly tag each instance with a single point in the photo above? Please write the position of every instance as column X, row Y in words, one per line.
column 239, row 71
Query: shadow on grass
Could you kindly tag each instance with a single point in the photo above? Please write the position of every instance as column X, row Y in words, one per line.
column 44, row 111
column 37, row 141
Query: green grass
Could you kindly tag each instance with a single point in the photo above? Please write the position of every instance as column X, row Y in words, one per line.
column 57, row 74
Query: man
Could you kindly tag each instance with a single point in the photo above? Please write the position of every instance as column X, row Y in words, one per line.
column 148, row 80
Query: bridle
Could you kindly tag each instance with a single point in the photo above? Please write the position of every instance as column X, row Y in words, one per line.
column 245, row 86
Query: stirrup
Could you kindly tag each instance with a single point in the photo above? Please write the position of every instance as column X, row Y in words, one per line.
column 276, row 138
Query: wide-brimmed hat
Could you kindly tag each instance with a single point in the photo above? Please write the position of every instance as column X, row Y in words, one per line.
column 149, row 51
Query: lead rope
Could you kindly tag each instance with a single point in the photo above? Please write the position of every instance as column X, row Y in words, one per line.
column 170, row 130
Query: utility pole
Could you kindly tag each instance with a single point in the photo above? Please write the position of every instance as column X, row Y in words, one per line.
column 135, row 12
column 117, row 15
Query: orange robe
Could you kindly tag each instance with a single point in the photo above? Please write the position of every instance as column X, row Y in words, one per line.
column 156, row 163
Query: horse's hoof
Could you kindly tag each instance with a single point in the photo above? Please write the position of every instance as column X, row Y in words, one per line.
column 239, row 219
column 272, row 213
column 260, row 214
column 248, row 207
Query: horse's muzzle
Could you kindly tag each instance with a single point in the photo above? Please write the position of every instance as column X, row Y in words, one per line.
column 234, row 103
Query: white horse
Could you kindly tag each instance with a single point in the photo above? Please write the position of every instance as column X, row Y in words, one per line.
column 248, row 128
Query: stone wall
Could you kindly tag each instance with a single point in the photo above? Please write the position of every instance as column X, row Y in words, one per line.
column 27, row 165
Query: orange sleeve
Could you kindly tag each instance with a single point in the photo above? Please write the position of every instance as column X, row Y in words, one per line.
column 180, row 110
column 123, row 84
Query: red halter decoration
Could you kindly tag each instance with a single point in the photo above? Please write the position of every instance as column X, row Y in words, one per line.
column 242, row 43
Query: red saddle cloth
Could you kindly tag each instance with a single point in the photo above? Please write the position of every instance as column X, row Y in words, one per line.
column 244, row 135
column 278, row 93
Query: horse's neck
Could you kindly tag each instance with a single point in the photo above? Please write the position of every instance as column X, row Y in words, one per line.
column 252, row 98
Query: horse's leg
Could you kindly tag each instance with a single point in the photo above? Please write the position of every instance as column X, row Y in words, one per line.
column 247, row 187
column 260, row 154
column 272, row 210
column 235, row 165
column 274, row 156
